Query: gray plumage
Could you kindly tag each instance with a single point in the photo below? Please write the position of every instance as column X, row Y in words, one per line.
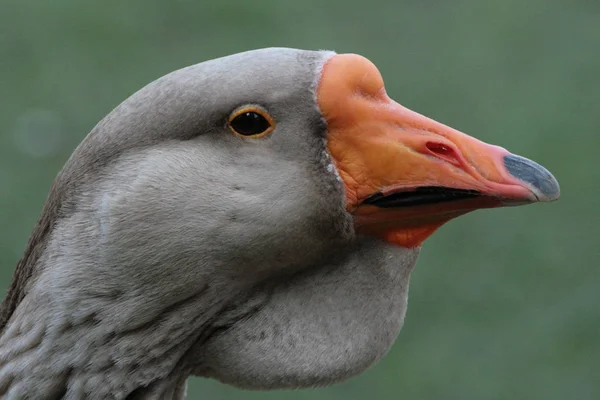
column 169, row 247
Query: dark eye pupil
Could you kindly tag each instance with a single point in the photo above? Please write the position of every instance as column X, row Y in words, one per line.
column 250, row 123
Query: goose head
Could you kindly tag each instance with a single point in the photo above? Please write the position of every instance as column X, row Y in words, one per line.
column 253, row 218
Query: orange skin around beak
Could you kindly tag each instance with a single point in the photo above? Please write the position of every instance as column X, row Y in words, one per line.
column 379, row 146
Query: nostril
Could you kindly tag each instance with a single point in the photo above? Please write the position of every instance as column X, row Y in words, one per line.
column 444, row 152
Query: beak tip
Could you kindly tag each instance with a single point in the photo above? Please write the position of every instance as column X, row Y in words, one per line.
column 535, row 177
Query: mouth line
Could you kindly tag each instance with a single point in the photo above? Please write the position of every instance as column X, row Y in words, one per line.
column 425, row 195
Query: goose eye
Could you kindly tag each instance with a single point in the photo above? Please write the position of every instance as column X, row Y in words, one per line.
column 251, row 122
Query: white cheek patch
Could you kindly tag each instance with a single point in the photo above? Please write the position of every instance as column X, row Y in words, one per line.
column 112, row 194
column 106, row 204
column 104, row 214
column 330, row 166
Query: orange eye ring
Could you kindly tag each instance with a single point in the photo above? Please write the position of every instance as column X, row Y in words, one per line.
column 251, row 122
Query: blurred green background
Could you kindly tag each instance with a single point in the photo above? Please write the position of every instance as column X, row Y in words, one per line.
column 504, row 304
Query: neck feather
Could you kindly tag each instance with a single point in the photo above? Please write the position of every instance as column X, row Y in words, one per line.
column 68, row 338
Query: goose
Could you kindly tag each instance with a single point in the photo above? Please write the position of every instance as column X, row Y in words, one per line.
column 252, row 219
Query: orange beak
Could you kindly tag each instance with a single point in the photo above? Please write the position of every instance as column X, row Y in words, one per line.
column 404, row 174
